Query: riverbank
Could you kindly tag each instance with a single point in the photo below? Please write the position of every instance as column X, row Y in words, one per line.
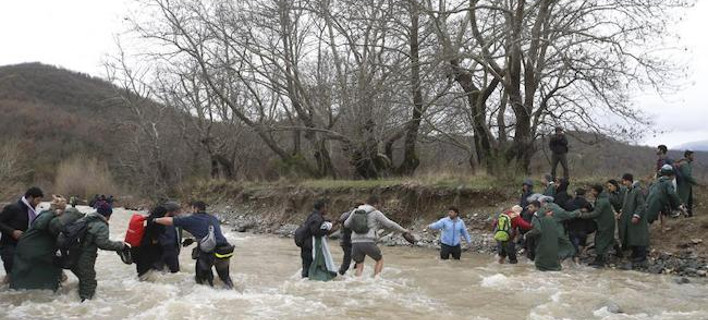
column 278, row 208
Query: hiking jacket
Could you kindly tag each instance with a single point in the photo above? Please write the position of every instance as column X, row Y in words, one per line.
column 34, row 266
column 451, row 231
column 633, row 206
column 97, row 235
column 685, row 180
column 605, row 218
column 558, row 144
column 375, row 220
column 516, row 223
column 662, row 196
column 13, row 217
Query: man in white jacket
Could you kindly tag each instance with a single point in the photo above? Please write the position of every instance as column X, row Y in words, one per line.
column 364, row 244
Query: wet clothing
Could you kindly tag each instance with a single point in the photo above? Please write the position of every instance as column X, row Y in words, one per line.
column 313, row 222
column 452, row 230
column 579, row 229
column 633, row 235
column 34, row 266
column 545, row 231
column 565, row 247
column 662, row 196
column 345, row 241
column 360, row 250
column 446, row 251
column 16, row 216
column 96, row 237
column 507, row 249
column 375, row 220
column 685, row 183
column 604, row 216
column 322, row 267
column 198, row 225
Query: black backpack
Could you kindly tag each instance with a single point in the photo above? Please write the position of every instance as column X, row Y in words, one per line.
column 69, row 243
column 301, row 234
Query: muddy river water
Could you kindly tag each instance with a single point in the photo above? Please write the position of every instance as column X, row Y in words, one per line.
column 414, row 285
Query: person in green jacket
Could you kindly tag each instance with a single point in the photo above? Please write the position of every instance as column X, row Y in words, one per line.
column 96, row 237
column 545, row 232
column 685, row 181
column 633, row 226
column 662, row 196
column 565, row 247
column 615, row 194
column 34, row 266
column 605, row 218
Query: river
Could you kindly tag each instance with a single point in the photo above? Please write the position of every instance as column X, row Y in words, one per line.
column 414, row 285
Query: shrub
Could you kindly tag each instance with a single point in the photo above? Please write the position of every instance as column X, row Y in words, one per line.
column 84, row 177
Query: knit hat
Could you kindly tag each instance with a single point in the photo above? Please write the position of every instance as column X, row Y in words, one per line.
column 517, row 209
column 666, row 170
column 105, row 209
column 548, row 177
column 528, row 182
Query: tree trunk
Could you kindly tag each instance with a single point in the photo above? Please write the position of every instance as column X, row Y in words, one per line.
column 410, row 156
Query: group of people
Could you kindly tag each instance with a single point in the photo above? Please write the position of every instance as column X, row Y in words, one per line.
column 553, row 226
column 37, row 246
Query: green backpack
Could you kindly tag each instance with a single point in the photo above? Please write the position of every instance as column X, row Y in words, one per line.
column 360, row 222
column 503, row 230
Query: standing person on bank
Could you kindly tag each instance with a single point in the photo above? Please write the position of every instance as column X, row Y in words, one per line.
column 453, row 228
column 685, row 181
column 559, row 153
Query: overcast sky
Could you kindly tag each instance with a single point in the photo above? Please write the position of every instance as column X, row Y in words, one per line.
column 78, row 34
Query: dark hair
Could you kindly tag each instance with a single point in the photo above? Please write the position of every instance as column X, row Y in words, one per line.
column 663, row 148
column 320, row 204
column 34, row 192
column 535, row 203
column 373, row 200
column 614, row 183
column 628, row 176
column 158, row 212
column 687, row 153
column 453, row 208
column 580, row 191
column 200, row 205
column 598, row 188
column 559, row 129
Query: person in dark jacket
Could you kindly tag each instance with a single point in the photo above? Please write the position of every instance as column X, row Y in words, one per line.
column 526, row 192
column 169, row 240
column 559, row 151
column 147, row 255
column 198, row 224
column 562, row 196
column 345, row 241
column 633, row 226
column 685, row 181
column 579, row 229
column 662, row 158
column 96, row 237
column 15, row 219
column 313, row 222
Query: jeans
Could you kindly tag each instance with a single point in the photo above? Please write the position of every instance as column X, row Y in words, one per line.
column 306, row 256
column 7, row 253
column 507, row 249
column 346, row 259
column 446, row 251
column 563, row 160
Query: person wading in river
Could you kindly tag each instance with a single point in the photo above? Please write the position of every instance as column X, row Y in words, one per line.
column 365, row 222
column 546, row 234
column 604, row 215
column 345, row 240
column 15, row 219
column 506, row 228
column 205, row 226
column 453, row 228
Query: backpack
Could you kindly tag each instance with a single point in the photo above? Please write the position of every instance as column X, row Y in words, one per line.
column 136, row 230
column 208, row 243
column 69, row 242
column 301, row 234
column 360, row 221
column 503, row 229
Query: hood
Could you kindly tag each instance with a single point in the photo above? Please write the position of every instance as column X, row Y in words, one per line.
column 367, row 208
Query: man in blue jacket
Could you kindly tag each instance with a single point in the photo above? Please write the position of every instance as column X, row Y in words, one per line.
column 452, row 228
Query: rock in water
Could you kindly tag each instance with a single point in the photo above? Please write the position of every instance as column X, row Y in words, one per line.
column 614, row 308
column 682, row 280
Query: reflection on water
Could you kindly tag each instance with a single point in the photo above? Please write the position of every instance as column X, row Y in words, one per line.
column 414, row 285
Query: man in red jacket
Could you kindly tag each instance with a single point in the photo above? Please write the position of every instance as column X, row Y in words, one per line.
column 508, row 248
